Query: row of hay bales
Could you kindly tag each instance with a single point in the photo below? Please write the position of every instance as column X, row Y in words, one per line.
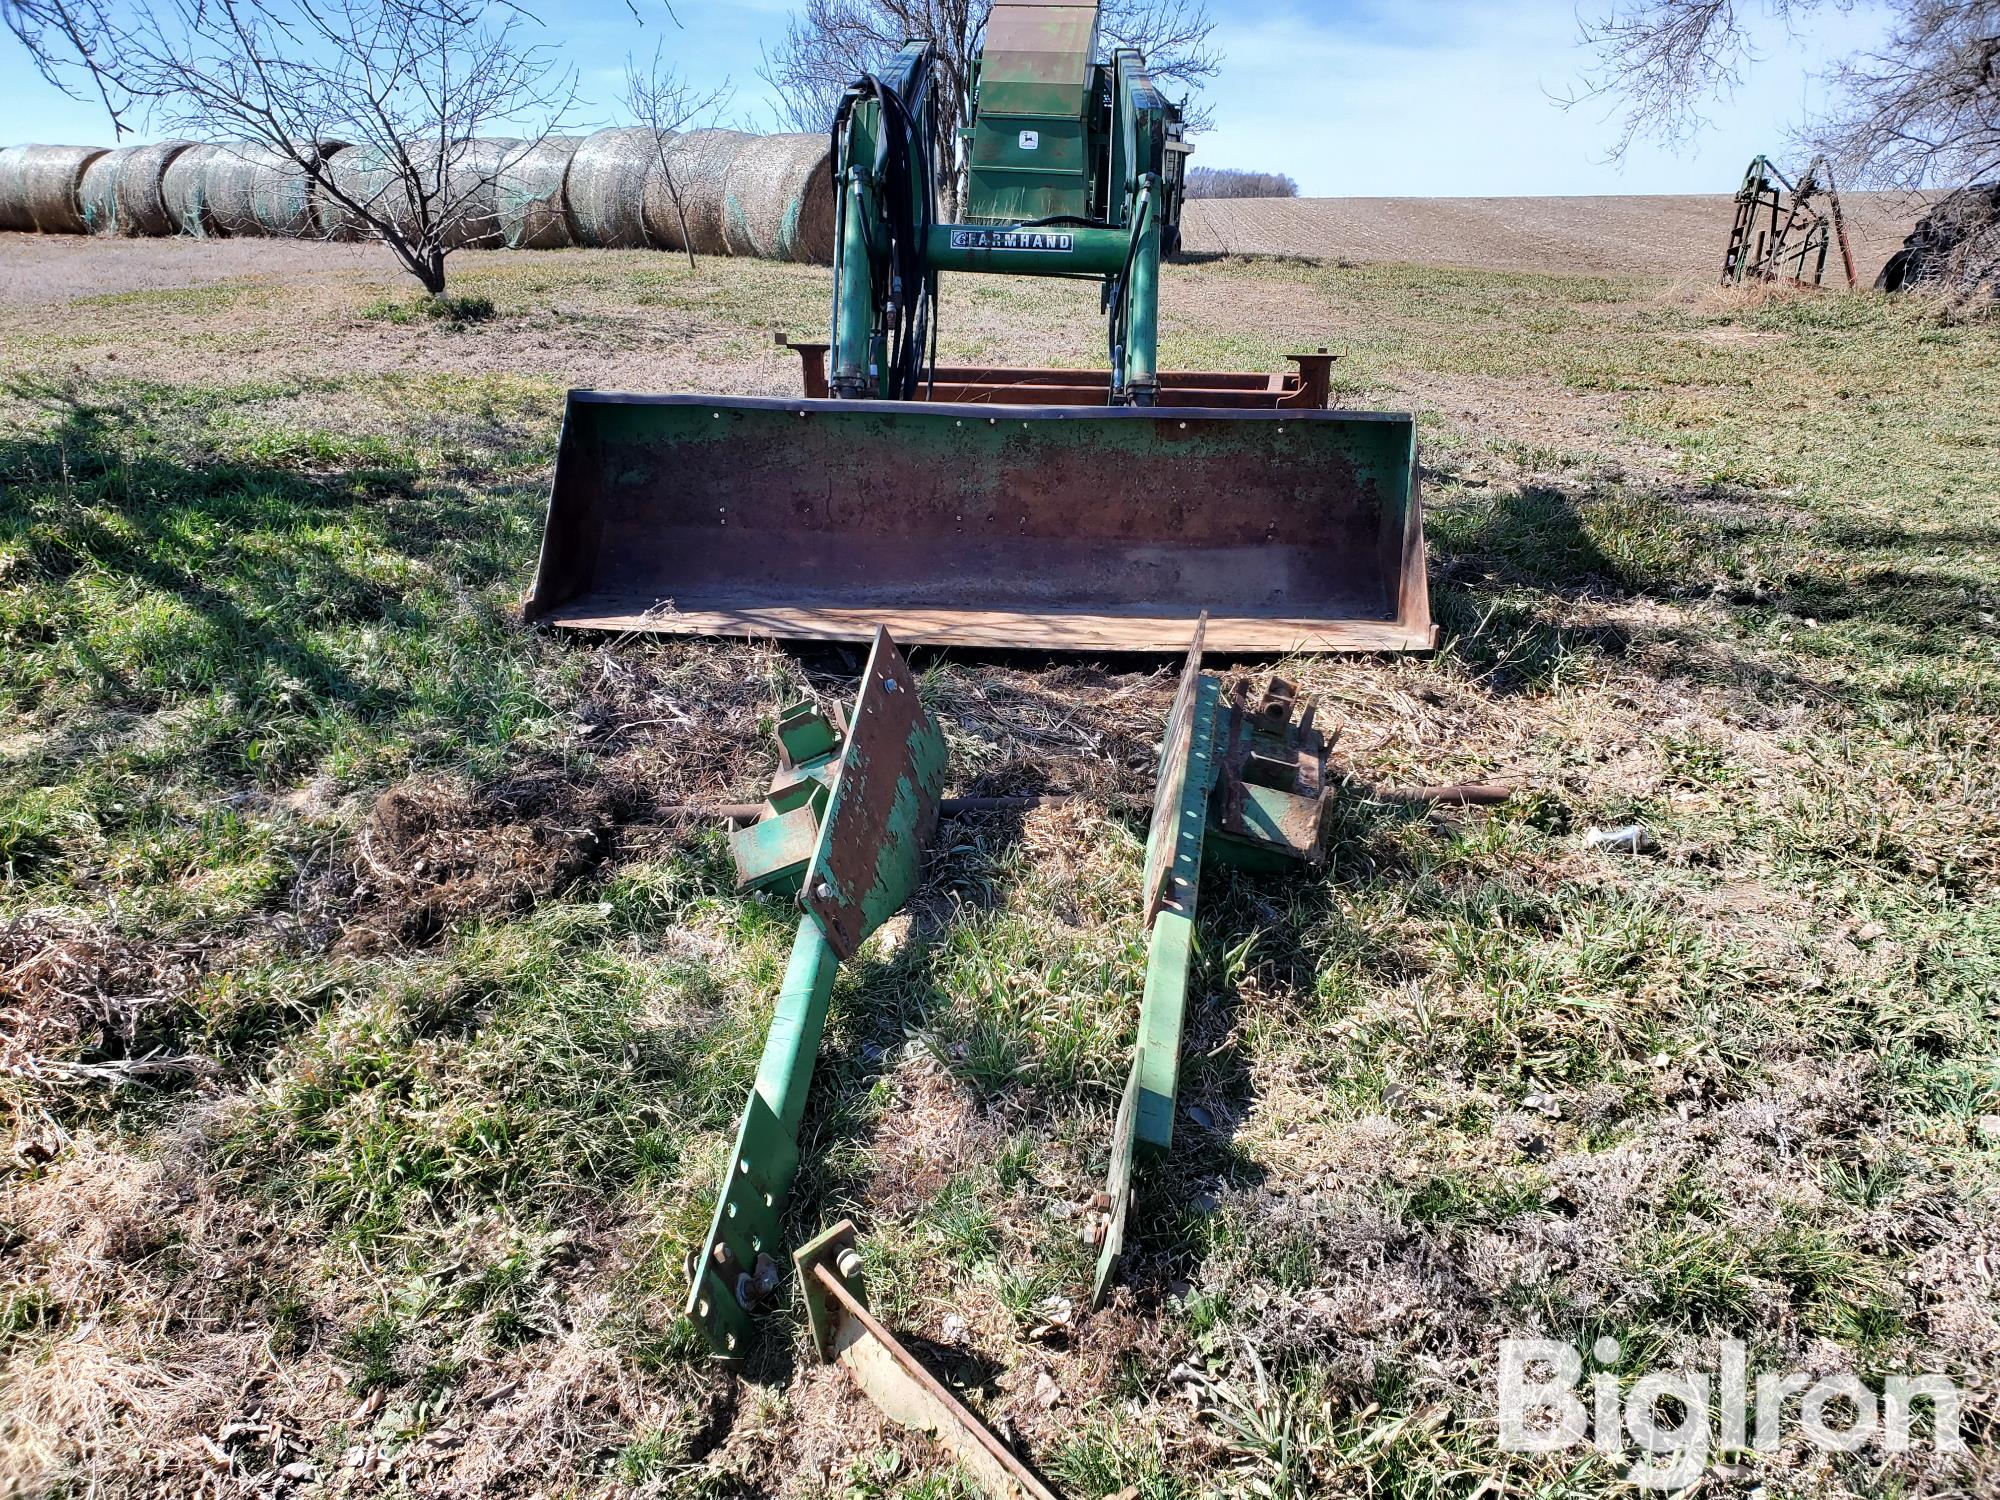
column 768, row 196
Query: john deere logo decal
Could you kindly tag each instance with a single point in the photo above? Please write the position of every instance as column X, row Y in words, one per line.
column 1012, row 239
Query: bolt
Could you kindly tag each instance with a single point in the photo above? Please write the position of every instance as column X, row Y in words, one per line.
column 1094, row 1234
column 823, row 891
column 849, row 1264
column 1101, row 1203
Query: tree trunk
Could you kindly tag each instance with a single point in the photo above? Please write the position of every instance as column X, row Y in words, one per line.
column 432, row 273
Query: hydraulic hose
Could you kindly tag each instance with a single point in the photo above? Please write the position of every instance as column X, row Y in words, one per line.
column 904, row 179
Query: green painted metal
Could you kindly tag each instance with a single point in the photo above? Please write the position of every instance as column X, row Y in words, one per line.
column 1170, row 948
column 736, row 1269
column 1029, row 156
column 1054, row 251
column 1239, row 785
column 1168, row 889
column 856, row 367
column 772, row 854
column 881, row 811
column 806, row 735
column 1073, row 169
column 1142, row 301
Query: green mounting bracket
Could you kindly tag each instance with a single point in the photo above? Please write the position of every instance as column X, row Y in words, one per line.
column 773, row 852
column 875, row 806
column 1268, row 811
column 1242, row 786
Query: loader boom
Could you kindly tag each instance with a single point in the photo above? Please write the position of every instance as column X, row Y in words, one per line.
column 1074, row 169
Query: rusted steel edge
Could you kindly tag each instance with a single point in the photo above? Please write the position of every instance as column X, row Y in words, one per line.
column 893, row 1378
column 1462, row 794
column 883, row 808
column 1162, row 838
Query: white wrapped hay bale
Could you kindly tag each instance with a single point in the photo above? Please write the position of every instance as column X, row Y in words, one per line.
column 693, row 167
column 474, row 197
column 606, row 187
column 367, row 179
column 778, row 200
column 121, row 192
column 253, row 189
column 41, row 187
column 184, row 185
column 97, row 195
column 375, row 183
column 534, row 213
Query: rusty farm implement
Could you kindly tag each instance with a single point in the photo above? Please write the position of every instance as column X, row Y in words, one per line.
column 1128, row 508
column 997, row 507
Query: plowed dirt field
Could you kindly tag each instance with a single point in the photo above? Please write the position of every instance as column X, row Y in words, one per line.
column 1665, row 235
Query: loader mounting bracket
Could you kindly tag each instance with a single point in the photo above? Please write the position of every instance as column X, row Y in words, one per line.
column 1242, row 783
column 872, row 790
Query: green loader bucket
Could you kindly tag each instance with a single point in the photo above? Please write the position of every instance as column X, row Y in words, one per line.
column 1047, row 528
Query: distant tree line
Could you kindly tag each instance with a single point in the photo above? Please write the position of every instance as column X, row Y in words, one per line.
column 1228, row 182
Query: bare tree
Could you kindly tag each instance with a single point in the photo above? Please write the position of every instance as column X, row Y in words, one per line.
column 413, row 84
column 1925, row 108
column 1922, row 108
column 830, row 43
column 1230, row 182
column 658, row 98
column 59, row 36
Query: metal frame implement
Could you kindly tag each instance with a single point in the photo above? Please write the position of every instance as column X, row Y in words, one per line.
column 1241, row 785
column 871, row 790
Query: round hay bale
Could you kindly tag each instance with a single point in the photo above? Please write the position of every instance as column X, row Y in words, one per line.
column 121, row 191
column 42, row 187
column 606, row 187
column 694, row 167
column 97, row 195
column 534, row 214
column 366, row 178
column 184, row 191
column 778, row 201
column 13, row 191
column 253, row 189
column 474, row 197
column 373, row 182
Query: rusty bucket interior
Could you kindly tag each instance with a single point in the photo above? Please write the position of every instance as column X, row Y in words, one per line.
column 1046, row 528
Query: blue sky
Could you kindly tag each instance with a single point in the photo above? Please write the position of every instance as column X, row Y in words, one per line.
column 1362, row 97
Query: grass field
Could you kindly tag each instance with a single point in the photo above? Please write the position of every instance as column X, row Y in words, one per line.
column 371, row 1030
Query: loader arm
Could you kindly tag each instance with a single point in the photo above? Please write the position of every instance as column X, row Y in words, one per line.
column 1074, row 170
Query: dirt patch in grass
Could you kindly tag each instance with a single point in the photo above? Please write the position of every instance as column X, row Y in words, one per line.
column 437, row 851
column 79, row 1002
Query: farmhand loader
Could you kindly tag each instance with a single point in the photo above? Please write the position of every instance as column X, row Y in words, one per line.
column 1071, row 510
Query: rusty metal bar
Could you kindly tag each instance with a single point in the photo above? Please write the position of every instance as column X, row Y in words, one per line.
column 844, row 1330
column 1309, row 388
